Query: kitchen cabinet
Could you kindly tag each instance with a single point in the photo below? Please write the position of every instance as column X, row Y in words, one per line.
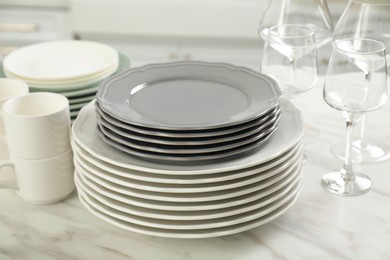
column 143, row 50
column 27, row 22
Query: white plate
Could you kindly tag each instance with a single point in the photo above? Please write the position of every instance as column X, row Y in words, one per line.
column 81, row 84
column 185, row 215
column 124, row 63
column 102, row 116
column 64, row 83
column 114, row 170
column 188, row 206
column 86, row 135
column 191, row 234
column 122, row 183
column 264, row 206
column 188, row 197
column 60, row 60
column 188, row 95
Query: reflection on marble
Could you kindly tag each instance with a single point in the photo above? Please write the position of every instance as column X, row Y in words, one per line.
column 319, row 226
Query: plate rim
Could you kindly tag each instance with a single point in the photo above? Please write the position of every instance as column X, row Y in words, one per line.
column 106, row 105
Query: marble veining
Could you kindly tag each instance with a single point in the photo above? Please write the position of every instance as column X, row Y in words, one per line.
column 319, row 225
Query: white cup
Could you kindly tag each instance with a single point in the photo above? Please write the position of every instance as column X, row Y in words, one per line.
column 43, row 181
column 37, row 125
column 10, row 88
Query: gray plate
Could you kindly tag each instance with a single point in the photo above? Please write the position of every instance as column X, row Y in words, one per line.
column 188, row 158
column 153, row 140
column 188, row 95
column 189, row 149
column 185, row 134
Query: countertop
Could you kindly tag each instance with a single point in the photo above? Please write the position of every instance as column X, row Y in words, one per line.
column 319, row 225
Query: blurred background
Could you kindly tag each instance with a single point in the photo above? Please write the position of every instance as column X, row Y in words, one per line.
column 148, row 31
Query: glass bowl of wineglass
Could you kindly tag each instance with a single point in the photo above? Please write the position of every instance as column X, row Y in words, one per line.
column 365, row 19
column 355, row 83
column 290, row 57
column 313, row 13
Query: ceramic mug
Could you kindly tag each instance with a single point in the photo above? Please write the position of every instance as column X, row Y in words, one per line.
column 43, row 181
column 37, row 125
column 10, row 88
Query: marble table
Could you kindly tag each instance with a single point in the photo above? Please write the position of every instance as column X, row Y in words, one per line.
column 319, row 225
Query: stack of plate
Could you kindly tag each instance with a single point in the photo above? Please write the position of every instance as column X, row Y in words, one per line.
column 188, row 111
column 72, row 68
column 200, row 200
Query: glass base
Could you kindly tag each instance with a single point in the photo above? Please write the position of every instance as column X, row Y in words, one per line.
column 334, row 183
column 374, row 151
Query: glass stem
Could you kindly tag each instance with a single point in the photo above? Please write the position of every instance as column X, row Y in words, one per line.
column 288, row 89
column 347, row 171
column 361, row 141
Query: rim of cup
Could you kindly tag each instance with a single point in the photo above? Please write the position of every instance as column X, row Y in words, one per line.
column 33, row 105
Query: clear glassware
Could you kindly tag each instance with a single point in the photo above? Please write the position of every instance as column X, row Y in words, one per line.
column 290, row 57
column 365, row 19
column 355, row 83
column 312, row 13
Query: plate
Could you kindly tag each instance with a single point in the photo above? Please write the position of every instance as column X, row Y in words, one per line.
column 185, row 215
column 82, row 99
column 60, row 60
column 64, row 83
column 193, row 141
column 78, row 106
column 114, row 170
column 189, row 149
column 188, row 206
column 211, row 133
column 61, row 87
column 194, row 159
column 275, row 173
column 191, row 234
column 113, row 188
column 124, row 63
column 263, row 207
column 86, row 135
column 188, row 95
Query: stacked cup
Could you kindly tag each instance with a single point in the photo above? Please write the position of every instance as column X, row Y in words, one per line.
column 37, row 127
column 9, row 88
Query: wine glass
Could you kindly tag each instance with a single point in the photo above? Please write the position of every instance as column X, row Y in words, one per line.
column 313, row 13
column 355, row 83
column 365, row 19
column 290, row 57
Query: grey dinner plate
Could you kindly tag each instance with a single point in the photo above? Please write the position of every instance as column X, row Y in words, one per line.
column 184, row 134
column 188, row 95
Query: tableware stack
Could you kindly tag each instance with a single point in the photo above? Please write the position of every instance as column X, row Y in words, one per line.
column 74, row 69
column 142, row 150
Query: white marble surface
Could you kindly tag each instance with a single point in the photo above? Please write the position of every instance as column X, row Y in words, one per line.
column 319, row 226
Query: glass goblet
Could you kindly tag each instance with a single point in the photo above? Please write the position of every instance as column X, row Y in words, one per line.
column 290, row 56
column 313, row 13
column 365, row 19
column 355, row 83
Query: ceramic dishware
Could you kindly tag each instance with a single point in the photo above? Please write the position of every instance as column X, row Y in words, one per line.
column 43, row 181
column 10, row 88
column 37, row 125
